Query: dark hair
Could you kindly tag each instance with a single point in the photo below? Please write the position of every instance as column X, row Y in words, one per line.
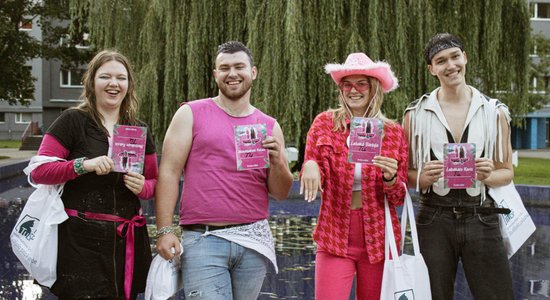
column 129, row 105
column 440, row 42
column 233, row 47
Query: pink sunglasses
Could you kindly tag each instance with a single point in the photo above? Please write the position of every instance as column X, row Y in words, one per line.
column 360, row 86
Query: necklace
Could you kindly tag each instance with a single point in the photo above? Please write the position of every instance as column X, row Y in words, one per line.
column 231, row 112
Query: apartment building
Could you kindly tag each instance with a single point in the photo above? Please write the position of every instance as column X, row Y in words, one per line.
column 14, row 119
column 536, row 135
column 55, row 90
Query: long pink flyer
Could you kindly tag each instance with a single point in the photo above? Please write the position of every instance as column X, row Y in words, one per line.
column 128, row 148
column 250, row 153
column 459, row 165
column 365, row 140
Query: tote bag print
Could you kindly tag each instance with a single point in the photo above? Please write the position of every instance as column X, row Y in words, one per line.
column 404, row 295
column 517, row 226
column 27, row 227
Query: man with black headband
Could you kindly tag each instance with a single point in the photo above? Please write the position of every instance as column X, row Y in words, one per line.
column 459, row 223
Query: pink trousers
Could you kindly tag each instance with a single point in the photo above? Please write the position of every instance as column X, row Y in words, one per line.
column 334, row 274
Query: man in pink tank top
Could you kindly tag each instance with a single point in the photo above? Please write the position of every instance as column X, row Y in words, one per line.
column 226, row 245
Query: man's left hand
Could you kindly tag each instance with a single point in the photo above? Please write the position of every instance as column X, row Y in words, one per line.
column 484, row 168
column 274, row 146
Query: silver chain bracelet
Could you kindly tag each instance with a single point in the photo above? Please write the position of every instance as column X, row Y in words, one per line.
column 164, row 230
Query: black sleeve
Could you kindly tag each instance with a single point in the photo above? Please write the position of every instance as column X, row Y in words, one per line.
column 64, row 128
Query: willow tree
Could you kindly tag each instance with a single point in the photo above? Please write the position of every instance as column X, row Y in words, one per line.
column 172, row 44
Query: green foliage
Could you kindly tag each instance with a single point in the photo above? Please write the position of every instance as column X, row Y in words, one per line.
column 539, row 69
column 16, row 81
column 56, row 24
column 532, row 171
column 173, row 43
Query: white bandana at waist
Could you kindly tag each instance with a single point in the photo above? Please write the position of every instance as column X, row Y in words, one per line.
column 255, row 236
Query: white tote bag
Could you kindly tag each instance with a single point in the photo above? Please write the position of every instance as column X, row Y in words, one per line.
column 405, row 276
column 34, row 237
column 517, row 226
column 163, row 279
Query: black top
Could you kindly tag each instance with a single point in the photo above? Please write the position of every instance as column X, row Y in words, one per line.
column 91, row 255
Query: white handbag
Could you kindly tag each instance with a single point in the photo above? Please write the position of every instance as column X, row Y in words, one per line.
column 34, row 237
column 517, row 226
column 405, row 276
column 163, row 279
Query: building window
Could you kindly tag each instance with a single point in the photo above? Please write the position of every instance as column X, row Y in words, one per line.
column 81, row 43
column 84, row 42
column 64, row 40
column 25, row 24
column 2, row 117
column 71, row 78
column 540, row 10
column 23, row 118
column 540, row 85
column 547, row 132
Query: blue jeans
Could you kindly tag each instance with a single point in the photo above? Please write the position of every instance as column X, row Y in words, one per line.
column 476, row 240
column 214, row 268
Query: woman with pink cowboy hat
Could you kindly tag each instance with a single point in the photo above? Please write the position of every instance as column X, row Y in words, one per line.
column 350, row 230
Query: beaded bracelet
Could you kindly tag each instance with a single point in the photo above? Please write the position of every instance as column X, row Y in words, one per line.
column 164, row 230
column 78, row 166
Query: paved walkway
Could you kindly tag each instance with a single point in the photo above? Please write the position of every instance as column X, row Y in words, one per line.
column 15, row 155
column 540, row 153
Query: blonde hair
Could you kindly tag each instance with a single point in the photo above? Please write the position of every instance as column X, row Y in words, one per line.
column 129, row 105
column 376, row 94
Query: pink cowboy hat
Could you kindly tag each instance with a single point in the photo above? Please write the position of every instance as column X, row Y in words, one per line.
column 361, row 64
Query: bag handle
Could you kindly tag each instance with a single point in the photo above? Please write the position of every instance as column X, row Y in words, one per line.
column 59, row 187
column 408, row 214
column 390, row 247
column 37, row 161
column 408, row 210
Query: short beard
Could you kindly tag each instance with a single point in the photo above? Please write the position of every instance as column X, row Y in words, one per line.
column 235, row 95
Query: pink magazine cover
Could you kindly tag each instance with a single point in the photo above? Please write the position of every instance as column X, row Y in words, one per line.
column 128, row 148
column 365, row 140
column 250, row 153
column 459, row 165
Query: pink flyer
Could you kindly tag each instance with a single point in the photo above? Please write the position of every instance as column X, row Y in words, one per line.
column 128, row 148
column 459, row 165
column 365, row 140
column 248, row 145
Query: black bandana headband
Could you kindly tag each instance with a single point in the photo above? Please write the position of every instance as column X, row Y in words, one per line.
column 440, row 42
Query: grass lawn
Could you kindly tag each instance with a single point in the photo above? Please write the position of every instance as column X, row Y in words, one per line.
column 10, row 144
column 532, row 171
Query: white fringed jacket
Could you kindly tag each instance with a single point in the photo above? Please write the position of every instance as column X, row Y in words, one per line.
column 428, row 128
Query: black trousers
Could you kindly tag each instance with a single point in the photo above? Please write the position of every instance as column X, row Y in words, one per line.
column 475, row 239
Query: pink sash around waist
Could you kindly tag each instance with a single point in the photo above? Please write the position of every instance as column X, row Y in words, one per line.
column 137, row 220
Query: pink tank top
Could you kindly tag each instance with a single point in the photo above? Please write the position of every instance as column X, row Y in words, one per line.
column 213, row 189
